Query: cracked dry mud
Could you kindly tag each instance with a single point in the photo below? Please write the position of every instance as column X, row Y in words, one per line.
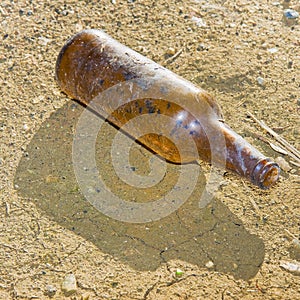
column 48, row 229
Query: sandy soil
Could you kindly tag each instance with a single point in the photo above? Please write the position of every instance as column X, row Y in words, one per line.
column 233, row 248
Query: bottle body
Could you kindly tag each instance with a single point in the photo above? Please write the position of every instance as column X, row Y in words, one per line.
column 92, row 63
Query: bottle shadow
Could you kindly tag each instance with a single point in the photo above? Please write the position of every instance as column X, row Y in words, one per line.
column 45, row 175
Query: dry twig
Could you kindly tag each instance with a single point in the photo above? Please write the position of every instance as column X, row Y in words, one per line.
column 170, row 59
column 291, row 150
column 295, row 163
column 7, row 209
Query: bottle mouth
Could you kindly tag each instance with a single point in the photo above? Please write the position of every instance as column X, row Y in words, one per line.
column 265, row 173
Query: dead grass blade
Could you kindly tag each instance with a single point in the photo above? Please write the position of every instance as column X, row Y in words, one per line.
column 290, row 150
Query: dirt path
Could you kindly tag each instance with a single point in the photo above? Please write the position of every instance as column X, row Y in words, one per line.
column 240, row 51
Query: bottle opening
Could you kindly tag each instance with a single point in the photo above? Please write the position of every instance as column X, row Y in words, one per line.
column 265, row 173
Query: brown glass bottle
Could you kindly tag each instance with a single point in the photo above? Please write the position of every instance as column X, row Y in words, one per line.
column 92, row 62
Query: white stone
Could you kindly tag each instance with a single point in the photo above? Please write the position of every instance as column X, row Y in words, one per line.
column 69, row 285
column 273, row 50
column 209, row 264
column 199, row 22
column 260, row 81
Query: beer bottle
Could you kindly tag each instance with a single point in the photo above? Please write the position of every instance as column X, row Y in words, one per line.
column 121, row 85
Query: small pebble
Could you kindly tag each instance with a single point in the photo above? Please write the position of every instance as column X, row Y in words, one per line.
column 283, row 164
column 260, row 80
column 209, row 264
column 264, row 45
column 273, row 50
column 44, row 41
column 199, row 22
column 202, row 47
column 78, row 27
column 290, row 14
column 38, row 99
column 296, row 244
column 69, row 285
column 178, row 273
column 50, row 290
column 25, row 127
column 171, row 51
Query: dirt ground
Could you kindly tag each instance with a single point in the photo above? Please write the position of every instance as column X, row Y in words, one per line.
column 242, row 52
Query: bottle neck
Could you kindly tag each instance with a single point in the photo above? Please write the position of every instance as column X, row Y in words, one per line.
column 244, row 159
